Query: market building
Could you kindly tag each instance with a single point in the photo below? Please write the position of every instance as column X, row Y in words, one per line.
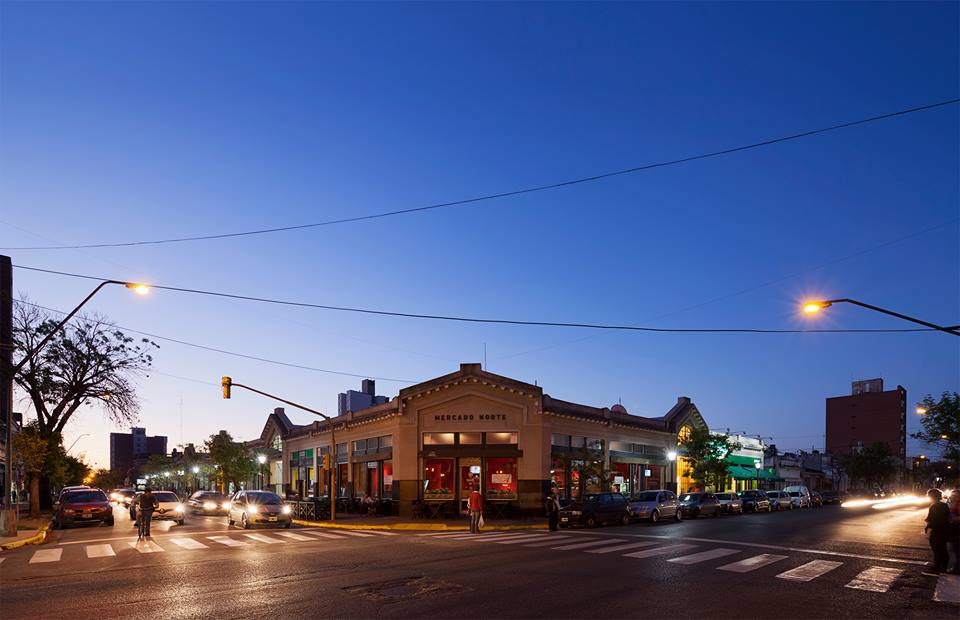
column 436, row 441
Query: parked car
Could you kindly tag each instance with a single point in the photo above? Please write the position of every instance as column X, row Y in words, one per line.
column 699, row 504
column 654, row 505
column 170, row 509
column 83, row 506
column 816, row 499
column 64, row 490
column 799, row 496
column 253, row 507
column 596, row 509
column 779, row 500
column 755, row 500
column 730, row 503
column 832, row 497
column 209, row 503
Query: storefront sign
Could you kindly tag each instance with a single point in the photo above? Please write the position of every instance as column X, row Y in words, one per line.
column 501, row 478
column 467, row 417
column 618, row 479
column 646, row 473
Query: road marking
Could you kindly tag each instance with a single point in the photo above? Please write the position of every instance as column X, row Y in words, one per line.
column 649, row 553
column 380, row 533
column 703, row 556
column 621, row 547
column 810, row 570
column 522, row 539
column 294, row 536
column 46, row 555
column 487, row 536
column 2, row 559
column 265, row 539
column 146, row 546
column 188, row 543
column 352, row 533
column 99, row 551
column 583, row 545
column 323, row 534
column 553, row 540
column 948, row 589
column 875, row 579
column 751, row 564
column 226, row 540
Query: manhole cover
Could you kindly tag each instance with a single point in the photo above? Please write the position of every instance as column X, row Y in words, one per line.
column 404, row 588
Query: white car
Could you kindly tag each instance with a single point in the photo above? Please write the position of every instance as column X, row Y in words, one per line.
column 779, row 500
column 170, row 508
column 799, row 496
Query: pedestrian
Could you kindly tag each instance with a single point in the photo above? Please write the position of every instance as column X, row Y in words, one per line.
column 954, row 535
column 937, row 530
column 146, row 504
column 475, row 504
column 553, row 510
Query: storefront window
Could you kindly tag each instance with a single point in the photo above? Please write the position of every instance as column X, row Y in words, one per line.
column 620, row 478
column 576, row 467
column 388, row 479
column 343, row 478
column 558, row 477
column 655, row 478
column 469, row 470
column 438, row 439
column 438, row 478
column 471, row 439
column 501, row 478
column 373, row 479
column 501, row 438
column 562, row 441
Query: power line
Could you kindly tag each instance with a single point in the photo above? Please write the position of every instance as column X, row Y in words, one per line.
column 465, row 319
column 507, row 194
column 226, row 352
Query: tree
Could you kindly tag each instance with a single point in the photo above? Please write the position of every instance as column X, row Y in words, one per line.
column 30, row 452
column 941, row 424
column 707, row 453
column 232, row 460
column 106, row 479
column 873, row 466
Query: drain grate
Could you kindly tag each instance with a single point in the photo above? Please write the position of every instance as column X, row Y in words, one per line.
column 404, row 588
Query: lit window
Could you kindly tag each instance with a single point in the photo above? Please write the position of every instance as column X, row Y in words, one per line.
column 438, row 439
column 501, row 438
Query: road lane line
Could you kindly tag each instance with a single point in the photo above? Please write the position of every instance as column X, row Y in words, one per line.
column 523, row 539
column 323, row 534
column 293, row 536
column 188, row 543
column 751, row 564
column 875, row 579
column 100, row 551
column 226, row 540
column 703, row 556
column 265, row 539
column 649, row 553
column 146, row 546
column 621, row 547
column 46, row 555
column 352, row 533
column 583, row 545
column 810, row 570
column 486, row 536
column 553, row 540
column 948, row 589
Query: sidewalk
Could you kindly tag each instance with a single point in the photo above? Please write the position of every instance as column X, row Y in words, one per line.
column 363, row 522
column 30, row 531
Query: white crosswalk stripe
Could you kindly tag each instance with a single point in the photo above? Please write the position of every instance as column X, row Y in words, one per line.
column 592, row 543
column 751, row 564
column 521, row 539
column 46, row 555
column 810, row 570
column 263, row 539
column 226, row 540
column 100, row 551
column 188, row 543
column 554, row 538
column 354, row 533
column 380, row 532
column 293, row 536
column 635, row 545
column 649, row 553
column 146, row 546
column 486, row 537
column 320, row 534
column 875, row 579
column 703, row 556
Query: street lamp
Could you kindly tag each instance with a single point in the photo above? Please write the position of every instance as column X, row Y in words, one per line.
column 227, row 383
column 815, row 306
column 75, row 442
column 759, row 466
column 672, row 457
column 11, row 372
column 261, row 458
column 921, row 410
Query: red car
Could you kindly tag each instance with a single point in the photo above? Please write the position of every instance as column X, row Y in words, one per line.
column 83, row 506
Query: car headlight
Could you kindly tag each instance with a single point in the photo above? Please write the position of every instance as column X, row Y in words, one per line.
column 286, row 510
column 576, row 513
column 179, row 508
column 209, row 506
column 252, row 510
column 226, row 505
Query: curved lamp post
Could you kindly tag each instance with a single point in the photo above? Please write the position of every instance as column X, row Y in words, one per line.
column 814, row 307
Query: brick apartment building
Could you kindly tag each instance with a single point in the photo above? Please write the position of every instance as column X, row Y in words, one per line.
column 868, row 415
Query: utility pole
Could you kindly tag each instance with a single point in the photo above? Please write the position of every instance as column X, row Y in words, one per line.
column 9, row 515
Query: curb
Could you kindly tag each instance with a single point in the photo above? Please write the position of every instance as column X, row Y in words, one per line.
column 36, row 539
column 430, row 527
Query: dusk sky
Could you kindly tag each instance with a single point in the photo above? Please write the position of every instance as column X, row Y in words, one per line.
column 133, row 121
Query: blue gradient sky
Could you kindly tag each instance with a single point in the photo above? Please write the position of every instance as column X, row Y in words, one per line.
column 131, row 121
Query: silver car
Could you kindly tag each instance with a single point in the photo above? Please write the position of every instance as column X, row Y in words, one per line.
column 779, row 500
column 730, row 503
column 654, row 505
column 249, row 508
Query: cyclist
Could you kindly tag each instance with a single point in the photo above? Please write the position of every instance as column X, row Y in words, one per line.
column 146, row 504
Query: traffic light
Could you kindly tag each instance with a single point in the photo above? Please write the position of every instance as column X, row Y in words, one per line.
column 226, row 382
column 326, row 461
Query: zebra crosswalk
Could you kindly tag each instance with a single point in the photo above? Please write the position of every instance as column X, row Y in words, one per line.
column 729, row 559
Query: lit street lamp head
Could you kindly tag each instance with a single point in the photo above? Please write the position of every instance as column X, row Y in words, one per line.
column 813, row 307
column 140, row 289
column 671, row 456
column 261, row 458
column 921, row 410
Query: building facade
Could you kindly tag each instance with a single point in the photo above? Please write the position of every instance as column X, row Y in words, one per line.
column 131, row 450
column 440, row 439
column 868, row 415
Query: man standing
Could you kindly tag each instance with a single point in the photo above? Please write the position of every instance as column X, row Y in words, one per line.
column 146, row 504
column 553, row 510
column 938, row 530
column 475, row 504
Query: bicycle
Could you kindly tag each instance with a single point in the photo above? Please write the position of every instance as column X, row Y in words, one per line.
column 141, row 526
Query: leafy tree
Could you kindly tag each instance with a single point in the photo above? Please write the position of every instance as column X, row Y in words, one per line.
column 232, row 460
column 106, row 479
column 707, row 453
column 156, row 465
column 30, row 452
column 872, row 466
column 941, row 424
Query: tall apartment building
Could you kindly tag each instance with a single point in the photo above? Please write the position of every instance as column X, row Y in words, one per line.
column 351, row 400
column 868, row 415
column 130, row 450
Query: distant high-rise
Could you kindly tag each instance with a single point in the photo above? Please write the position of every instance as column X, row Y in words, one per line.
column 351, row 400
column 130, row 450
column 868, row 416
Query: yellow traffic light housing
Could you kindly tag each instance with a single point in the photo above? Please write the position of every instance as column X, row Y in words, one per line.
column 226, row 382
column 326, row 461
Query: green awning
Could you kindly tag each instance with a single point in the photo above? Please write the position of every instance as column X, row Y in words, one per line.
column 738, row 472
column 744, row 461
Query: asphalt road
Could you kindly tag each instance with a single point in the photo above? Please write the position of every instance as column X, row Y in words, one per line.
column 815, row 563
